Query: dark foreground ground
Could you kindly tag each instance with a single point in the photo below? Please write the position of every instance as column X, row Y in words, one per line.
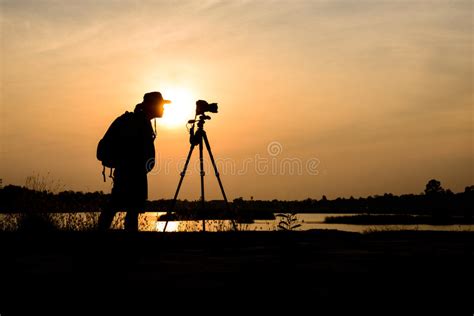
column 395, row 270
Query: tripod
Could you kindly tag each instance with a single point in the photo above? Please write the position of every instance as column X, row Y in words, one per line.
column 199, row 138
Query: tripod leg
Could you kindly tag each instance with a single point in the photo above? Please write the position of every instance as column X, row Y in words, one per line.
column 208, row 146
column 183, row 173
column 201, row 167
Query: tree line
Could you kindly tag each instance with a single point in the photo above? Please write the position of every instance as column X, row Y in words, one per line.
column 434, row 200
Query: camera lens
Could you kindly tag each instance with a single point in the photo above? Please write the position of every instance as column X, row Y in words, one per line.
column 213, row 107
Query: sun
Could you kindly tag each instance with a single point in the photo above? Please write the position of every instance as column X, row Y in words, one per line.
column 180, row 110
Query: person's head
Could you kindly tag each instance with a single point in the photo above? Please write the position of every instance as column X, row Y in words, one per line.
column 153, row 105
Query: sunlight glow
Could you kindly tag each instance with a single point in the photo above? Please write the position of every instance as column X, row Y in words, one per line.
column 180, row 110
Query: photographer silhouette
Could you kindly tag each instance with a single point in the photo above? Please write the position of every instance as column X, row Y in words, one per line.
column 128, row 148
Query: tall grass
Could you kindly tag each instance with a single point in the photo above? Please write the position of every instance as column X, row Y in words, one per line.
column 288, row 221
column 33, row 217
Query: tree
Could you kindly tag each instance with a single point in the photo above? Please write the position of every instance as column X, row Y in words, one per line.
column 433, row 187
column 437, row 200
column 467, row 202
column 469, row 189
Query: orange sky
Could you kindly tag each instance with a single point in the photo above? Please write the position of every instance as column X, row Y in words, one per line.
column 371, row 96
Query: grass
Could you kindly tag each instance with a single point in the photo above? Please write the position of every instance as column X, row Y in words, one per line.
column 288, row 222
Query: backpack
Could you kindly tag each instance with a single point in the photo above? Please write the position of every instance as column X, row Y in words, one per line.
column 108, row 149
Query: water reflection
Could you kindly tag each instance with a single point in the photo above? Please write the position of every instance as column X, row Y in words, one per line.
column 171, row 227
column 190, row 226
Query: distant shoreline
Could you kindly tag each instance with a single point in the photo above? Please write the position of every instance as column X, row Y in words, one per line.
column 384, row 219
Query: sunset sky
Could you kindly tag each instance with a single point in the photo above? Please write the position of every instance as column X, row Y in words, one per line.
column 372, row 96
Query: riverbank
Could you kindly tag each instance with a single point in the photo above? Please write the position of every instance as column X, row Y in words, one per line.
column 389, row 219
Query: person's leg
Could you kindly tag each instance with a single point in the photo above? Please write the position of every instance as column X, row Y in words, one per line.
column 114, row 203
column 106, row 217
column 131, row 220
column 136, row 195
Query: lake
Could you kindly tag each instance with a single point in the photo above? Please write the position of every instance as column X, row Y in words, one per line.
column 307, row 221
column 149, row 222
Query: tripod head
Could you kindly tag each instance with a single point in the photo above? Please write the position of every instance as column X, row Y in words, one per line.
column 195, row 137
column 201, row 117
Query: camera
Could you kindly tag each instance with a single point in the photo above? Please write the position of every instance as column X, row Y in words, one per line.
column 203, row 107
